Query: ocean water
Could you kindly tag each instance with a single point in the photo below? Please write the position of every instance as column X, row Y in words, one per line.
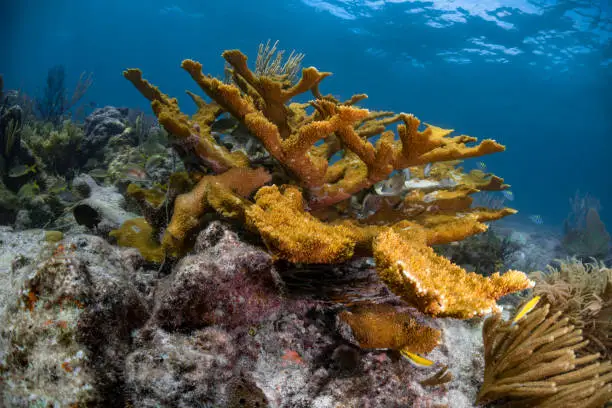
column 534, row 75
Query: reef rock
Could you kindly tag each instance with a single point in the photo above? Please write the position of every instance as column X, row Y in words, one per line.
column 227, row 283
column 101, row 125
column 83, row 323
column 103, row 207
column 225, row 333
column 67, row 324
column 17, row 249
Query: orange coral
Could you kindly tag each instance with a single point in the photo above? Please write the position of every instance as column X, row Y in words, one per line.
column 194, row 131
column 377, row 326
column 137, row 233
column 289, row 133
column 292, row 233
column 224, row 193
column 434, row 284
column 301, row 139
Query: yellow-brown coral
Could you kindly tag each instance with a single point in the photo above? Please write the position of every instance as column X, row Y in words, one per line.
column 301, row 139
column 434, row 284
column 137, row 233
column 292, row 233
column 225, row 194
column 289, row 132
column 376, row 326
column 194, row 131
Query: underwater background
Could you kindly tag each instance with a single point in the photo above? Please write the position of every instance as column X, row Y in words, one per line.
column 201, row 207
column 533, row 75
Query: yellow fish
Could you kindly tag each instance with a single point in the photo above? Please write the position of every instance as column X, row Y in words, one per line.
column 415, row 359
column 528, row 307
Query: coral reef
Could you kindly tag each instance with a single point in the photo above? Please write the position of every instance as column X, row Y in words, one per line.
column 57, row 148
column 10, row 132
column 286, row 254
column 222, row 328
column 39, row 160
column 283, row 349
column 304, row 217
column 36, row 162
column 101, row 126
column 15, row 158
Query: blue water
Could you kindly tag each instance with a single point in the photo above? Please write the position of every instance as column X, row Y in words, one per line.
column 536, row 76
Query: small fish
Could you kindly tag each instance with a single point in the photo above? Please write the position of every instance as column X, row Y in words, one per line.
column 126, row 131
column 85, row 215
column 390, row 187
column 427, row 170
column 29, row 190
column 224, row 125
column 482, row 166
column 415, row 359
column 22, row 170
column 152, row 148
column 371, row 203
column 536, row 219
column 406, row 173
column 67, row 196
column 154, row 162
column 98, row 173
column 508, row 195
column 135, row 174
column 58, row 188
column 447, row 182
column 528, row 307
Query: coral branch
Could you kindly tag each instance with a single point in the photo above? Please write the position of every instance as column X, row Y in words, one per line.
column 224, row 194
column 194, row 133
column 434, row 284
column 433, row 144
column 292, row 233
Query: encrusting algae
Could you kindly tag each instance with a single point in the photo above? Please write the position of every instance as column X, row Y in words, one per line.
column 306, row 217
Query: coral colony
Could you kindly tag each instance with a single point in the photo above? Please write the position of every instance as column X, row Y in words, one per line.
column 305, row 218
